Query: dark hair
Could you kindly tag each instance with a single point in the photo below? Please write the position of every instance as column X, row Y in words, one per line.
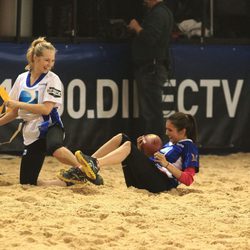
column 181, row 121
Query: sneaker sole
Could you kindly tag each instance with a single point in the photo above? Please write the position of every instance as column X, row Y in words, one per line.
column 98, row 181
column 86, row 167
column 60, row 177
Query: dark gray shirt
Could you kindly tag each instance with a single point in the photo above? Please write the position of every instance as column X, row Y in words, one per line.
column 153, row 41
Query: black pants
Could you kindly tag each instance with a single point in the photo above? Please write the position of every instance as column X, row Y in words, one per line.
column 34, row 154
column 141, row 173
column 150, row 79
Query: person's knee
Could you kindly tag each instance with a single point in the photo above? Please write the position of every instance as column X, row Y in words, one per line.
column 54, row 140
column 118, row 139
column 127, row 146
column 58, row 153
column 121, row 138
column 124, row 138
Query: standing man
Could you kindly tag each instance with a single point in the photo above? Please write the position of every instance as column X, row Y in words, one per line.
column 151, row 62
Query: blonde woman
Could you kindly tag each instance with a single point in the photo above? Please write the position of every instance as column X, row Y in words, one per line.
column 35, row 98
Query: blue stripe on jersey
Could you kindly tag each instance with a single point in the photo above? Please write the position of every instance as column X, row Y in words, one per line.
column 185, row 149
column 190, row 155
column 192, row 160
column 172, row 152
column 36, row 82
column 55, row 119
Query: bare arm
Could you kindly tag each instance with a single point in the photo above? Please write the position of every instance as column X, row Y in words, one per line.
column 42, row 109
column 185, row 177
column 8, row 117
column 160, row 158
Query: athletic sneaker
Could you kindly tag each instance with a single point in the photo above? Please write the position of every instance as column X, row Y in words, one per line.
column 76, row 176
column 89, row 165
column 98, row 181
column 72, row 175
column 67, row 183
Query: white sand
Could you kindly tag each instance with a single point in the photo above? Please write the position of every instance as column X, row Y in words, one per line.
column 213, row 213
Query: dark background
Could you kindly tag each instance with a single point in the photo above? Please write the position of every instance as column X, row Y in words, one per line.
column 93, row 18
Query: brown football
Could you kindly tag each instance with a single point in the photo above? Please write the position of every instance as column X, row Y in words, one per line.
column 151, row 144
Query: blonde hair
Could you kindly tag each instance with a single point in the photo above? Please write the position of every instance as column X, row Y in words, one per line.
column 36, row 49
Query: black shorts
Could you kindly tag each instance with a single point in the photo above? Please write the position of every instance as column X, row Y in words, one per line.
column 34, row 154
column 140, row 172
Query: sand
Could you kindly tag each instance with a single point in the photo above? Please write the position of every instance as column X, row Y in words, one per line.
column 213, row 213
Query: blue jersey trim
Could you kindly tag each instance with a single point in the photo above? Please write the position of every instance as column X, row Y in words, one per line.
column 55, row 119
column 185, row 149
column 36, row 82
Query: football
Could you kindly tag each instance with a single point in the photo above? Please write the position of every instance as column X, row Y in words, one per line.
column 151, row 144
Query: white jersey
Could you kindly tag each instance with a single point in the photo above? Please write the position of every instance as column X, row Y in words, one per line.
column 47, row 88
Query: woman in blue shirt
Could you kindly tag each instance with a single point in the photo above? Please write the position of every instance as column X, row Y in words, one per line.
column 177, row 162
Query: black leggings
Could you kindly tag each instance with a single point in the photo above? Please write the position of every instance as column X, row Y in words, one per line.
column 34, row 154
column 140, row 172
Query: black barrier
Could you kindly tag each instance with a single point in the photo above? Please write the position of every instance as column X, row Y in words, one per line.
column 100, row 99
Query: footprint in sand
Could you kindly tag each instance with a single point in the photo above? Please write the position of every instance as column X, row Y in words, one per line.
column 30, row 199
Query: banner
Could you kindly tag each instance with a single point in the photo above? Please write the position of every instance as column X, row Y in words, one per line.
column 211, row 82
